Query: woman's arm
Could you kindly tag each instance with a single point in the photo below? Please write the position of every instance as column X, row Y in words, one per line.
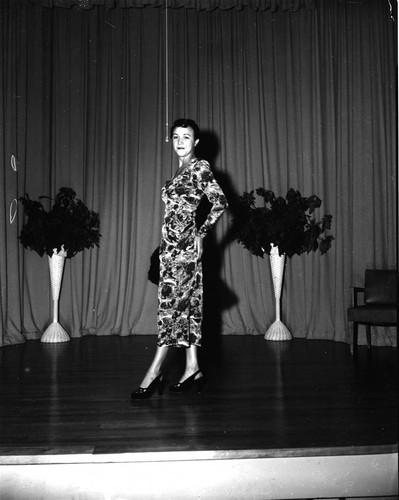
column 215, row 195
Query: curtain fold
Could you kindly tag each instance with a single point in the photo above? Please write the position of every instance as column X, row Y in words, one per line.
column 303, row 100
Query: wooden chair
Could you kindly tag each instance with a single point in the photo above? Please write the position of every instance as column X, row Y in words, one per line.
column 380, row 302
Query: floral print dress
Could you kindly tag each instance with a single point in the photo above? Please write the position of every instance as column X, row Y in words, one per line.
column 180, row 289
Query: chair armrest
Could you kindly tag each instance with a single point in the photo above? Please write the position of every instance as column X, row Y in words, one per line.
column 356, row 291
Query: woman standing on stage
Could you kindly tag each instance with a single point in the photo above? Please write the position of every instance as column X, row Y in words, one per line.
column 180, row 289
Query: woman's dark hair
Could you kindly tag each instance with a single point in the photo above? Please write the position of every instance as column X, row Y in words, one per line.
column 185, row 122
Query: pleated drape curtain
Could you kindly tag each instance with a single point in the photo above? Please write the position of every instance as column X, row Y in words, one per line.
column 209, row 5
column 302, row 99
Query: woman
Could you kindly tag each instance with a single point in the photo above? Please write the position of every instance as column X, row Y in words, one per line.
column 180, row 281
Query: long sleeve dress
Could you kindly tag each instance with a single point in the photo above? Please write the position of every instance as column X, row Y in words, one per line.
column 180, row 289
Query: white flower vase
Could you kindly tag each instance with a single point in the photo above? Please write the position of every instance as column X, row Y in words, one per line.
column 277, row 331
column 55, row 332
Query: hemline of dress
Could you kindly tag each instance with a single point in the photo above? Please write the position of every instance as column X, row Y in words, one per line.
column 178, row 345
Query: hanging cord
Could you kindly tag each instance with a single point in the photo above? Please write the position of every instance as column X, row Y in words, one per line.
column 166, row 73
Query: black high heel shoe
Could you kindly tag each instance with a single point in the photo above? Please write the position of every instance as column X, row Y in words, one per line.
column 189, row 383
column 147, row 392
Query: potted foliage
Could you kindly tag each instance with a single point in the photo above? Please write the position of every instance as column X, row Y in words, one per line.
column 281, row 227
column 61, row 232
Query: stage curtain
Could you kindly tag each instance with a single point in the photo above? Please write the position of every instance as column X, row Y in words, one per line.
column 302, row 100
column 291, row 5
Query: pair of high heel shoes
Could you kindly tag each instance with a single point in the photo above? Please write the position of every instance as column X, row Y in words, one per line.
column 158, row 384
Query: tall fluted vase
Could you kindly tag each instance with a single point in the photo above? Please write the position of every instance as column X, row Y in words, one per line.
column 277, row 331
column 55, row 332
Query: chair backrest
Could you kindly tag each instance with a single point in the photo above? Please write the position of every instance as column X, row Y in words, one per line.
column 380, row 287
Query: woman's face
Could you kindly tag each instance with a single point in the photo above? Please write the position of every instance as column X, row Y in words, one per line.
column 184, row 143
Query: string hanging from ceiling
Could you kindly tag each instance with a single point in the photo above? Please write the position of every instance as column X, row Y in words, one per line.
column 166, row 72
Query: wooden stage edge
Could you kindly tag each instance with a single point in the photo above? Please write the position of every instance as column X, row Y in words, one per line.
column 21, row 456
column 323, row 473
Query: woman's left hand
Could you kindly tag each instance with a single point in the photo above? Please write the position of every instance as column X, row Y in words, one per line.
column 198, row 245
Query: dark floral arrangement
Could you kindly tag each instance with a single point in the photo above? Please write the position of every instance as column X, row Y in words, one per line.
column 287, row 223
column 68, row 224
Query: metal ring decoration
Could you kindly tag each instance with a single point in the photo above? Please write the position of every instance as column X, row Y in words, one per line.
column 13, row 210
column 13, row 163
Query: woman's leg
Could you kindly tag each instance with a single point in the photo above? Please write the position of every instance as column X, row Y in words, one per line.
column 192, row 364
column 195, row 320
column 155, row 368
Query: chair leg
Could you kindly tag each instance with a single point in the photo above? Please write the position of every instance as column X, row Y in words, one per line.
column 355, row 330
column 368, row 334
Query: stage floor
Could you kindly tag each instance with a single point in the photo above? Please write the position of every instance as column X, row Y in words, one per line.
column 298, row 419
column 263, row 398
